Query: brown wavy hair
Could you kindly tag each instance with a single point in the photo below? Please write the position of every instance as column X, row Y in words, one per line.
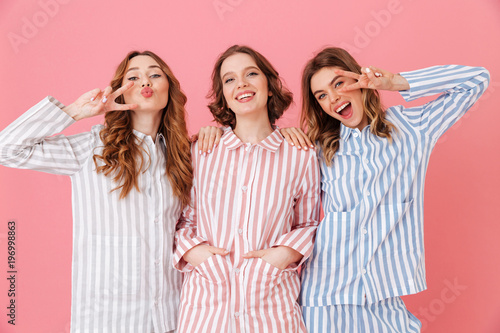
column 122, row 156
column 321, row 127
column 277, row 103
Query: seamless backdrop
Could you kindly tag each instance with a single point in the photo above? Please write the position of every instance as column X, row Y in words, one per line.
column 66, row 47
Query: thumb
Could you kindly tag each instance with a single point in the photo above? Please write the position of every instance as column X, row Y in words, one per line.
column 255, row 254
column 218, row 250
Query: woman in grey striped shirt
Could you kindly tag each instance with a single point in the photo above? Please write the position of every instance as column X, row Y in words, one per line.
column 124, row 208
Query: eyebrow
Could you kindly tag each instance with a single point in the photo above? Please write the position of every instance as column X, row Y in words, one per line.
column 331, row 82
column 245, row 69
column 136, row 68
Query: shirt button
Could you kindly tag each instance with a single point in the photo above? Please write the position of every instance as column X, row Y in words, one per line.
column 236, row 270
column 367, row 161
column 240, row 231
column 156, row 220
column 368, row 193
column 365, row 231
column 355, row 135
column 364, row 271
column 157, row 262
column 244, row 188
column 236, row 314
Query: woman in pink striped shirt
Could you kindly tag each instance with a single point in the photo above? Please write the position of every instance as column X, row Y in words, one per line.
column 254, row 211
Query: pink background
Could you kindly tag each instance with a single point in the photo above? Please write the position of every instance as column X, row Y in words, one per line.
column 68, row 47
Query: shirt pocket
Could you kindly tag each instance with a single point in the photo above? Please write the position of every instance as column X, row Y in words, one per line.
column 214, row 269
column 120, row 267
column 269, row 288
column 391, row 231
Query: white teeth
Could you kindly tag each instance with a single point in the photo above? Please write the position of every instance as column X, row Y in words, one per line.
column 245, row 96
column 342, row 107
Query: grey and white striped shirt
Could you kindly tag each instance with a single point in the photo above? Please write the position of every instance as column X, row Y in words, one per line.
column 122, row 276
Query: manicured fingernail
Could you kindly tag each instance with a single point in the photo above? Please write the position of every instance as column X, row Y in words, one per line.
column 105, row 99
column 305, row 148
column 291, row 144
column 204, row 154
column 299, row 147
column 209, row 151
column 92, row 99
column 378, row 74
column 312, row 146
column 368, row 70
column 201, row 152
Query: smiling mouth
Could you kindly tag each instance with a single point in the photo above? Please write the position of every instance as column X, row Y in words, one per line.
column 245, row 97
column 345, row 110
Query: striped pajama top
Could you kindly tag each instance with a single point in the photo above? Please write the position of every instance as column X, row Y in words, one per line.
column 370, row 244
column 247, row 197
column 122, row 276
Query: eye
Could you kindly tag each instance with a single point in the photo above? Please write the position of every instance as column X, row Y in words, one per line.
column 338, row 84
column 132, row 78
column 252, row 74
column 229, row 80
column 320, row 97
column 154, row 76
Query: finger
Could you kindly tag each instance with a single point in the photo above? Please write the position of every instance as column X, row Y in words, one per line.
column 194, row 138
column 286, row 135
column 211, row 141
column 94, row 94
column 218, row 250
column 105, row 94
column 347, row 73
column 350, row 87
column 121, row 90
column 200, row 137
column 300, row 138
column 217, row 137
column 203, row 144
column 254, row 254
column 123, row 107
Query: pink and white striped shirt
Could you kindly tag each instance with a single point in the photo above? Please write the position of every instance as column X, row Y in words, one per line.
column 247, row 197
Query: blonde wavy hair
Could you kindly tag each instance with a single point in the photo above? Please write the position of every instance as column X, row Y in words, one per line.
column 324, row 129
column 122, row 156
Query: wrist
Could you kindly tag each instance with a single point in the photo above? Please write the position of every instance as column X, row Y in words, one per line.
column 72, row 111
column 399, row 83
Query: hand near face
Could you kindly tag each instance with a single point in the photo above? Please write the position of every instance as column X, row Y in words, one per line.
column 97, row 102
column 280, row 257
column 209, row 137
column 374, row 78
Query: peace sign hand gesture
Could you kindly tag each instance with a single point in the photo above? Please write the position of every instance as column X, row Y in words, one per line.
column 374, row 78
column 97, row 102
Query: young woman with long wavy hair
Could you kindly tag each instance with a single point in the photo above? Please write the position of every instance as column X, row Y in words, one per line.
column 131, row 178
column 255, row 208
column 369, row 247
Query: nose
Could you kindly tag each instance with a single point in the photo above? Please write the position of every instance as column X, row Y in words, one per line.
column 146, row 82
column 334, row 96
column 242, row 83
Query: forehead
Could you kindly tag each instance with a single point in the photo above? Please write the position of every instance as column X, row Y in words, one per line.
column 142, row 62
column 237, row 62
column 322, row 78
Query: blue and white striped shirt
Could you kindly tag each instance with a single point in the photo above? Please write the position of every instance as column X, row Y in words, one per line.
column 370, row 243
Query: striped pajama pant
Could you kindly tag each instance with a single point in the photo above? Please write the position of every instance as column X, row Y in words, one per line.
column 389, row 315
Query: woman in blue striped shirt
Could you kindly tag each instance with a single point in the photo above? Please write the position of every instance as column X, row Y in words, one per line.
column 369, row 247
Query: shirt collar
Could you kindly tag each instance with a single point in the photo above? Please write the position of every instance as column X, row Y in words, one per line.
column 143, row 137
column 271, row 143
column 345, row 132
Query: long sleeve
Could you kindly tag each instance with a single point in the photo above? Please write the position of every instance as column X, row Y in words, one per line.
column 306, row 213
column 459, row 86
column 28, row 143
column 186, row 234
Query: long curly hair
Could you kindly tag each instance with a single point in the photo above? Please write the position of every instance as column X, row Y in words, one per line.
column 321, row 127
column 122, row 156
column 277, row 103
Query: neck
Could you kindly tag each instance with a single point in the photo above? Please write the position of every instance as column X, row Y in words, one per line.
column 147, row 122
column 253, row 129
